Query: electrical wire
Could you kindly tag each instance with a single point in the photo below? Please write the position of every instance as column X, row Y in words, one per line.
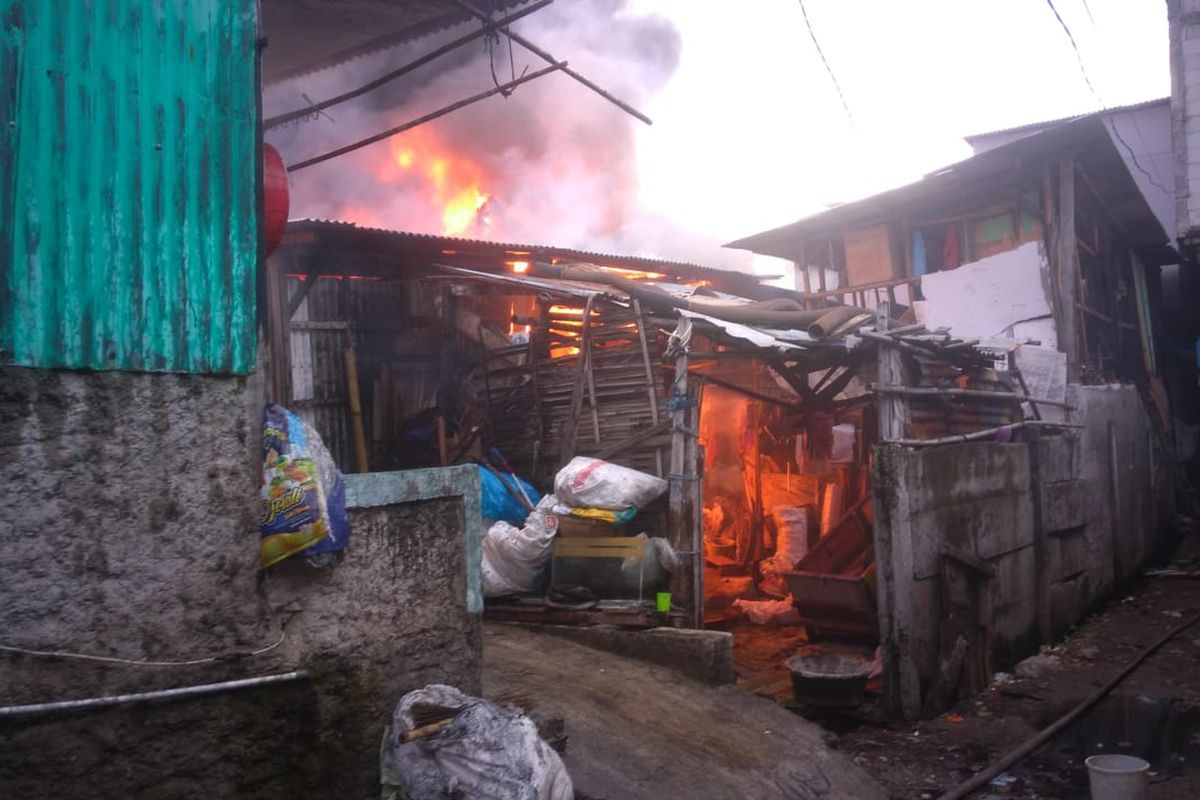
column 1078, row 56
column 1110, row 122
column 130, row 662
column 812, row 34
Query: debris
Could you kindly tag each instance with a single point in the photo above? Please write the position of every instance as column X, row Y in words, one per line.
column 1005, row 783
column 473, row 748
column 954, row 718
column 1088, row 651
column 766, row 612
column 1037, row 667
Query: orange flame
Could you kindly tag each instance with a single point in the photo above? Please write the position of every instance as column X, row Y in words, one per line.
column 453, row 185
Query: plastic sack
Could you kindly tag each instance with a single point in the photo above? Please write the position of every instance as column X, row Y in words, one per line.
column 303, row 494
column 499, row 503
column 791, row 538
column 513, row 558
column 656, row 555
column 487, row 751
column 590, row 482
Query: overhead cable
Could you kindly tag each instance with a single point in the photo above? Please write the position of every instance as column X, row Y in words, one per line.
column 1111, row 123
column 828, row 68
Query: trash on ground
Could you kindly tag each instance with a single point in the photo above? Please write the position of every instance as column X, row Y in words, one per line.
column 445, row 743
column 768, row 612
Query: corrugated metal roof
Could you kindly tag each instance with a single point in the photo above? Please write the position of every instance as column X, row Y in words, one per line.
column 308, row 35
column 1087, row 138
column 127, row 184
column 303, row 231
column 1034, row 127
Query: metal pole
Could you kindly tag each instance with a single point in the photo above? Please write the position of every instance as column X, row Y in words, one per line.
column 540, row 53
column 504, row 87
column 36, row 709
column 300, row 113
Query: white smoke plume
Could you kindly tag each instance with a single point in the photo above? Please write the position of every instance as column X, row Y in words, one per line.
column 557, row 162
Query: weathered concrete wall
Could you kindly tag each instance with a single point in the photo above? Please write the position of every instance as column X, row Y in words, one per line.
column 129, row 520
column 972, row 497
column 1184, row 22
column 1060, row 519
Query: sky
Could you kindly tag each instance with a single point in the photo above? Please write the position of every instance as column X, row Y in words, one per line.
column 748, row 129
column 749, row 132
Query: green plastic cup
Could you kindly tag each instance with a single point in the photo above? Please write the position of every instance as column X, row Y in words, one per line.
column 664, row 602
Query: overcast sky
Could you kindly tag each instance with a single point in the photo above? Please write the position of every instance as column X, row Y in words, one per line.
column 749, row 132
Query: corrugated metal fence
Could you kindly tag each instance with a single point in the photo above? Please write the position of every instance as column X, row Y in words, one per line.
column 128, row 226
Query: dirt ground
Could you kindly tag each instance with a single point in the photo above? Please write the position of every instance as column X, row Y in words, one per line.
column 1154, row 714
column 637, row 731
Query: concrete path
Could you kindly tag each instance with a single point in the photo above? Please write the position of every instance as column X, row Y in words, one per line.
column 641, row 731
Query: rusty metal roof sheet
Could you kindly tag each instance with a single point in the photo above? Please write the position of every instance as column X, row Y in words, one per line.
column 334, row 233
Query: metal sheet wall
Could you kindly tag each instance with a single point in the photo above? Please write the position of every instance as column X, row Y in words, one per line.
column 128, row 161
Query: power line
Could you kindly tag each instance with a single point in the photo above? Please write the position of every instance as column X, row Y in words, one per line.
column 1111, row 122
column 1078, row 55
column 828, row 68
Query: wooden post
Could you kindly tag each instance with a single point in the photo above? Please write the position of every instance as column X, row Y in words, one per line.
column 278, row 334
column 356, row 420
column 1066, row 268
column 892, row 408
column 681, row 494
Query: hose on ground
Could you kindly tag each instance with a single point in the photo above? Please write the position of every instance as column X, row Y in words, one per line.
column 1048, row 733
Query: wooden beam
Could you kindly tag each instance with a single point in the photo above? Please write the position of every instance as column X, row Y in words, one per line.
column 1066, row 268
column 930, row 391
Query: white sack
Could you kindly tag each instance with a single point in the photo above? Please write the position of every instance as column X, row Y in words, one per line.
column 592, row 483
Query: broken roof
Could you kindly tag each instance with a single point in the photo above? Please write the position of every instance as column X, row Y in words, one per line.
column 998, row 171
column 308, row 35
column 405, row 247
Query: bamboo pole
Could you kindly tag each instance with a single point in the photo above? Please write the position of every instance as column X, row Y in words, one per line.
column 355, row 401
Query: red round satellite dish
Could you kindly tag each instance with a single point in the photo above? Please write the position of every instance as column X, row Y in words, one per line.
column 275, row 197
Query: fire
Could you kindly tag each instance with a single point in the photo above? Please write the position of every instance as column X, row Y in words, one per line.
column 450, row 183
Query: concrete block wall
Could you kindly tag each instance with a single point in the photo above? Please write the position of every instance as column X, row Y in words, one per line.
column 129, row 517
column 1044, row 514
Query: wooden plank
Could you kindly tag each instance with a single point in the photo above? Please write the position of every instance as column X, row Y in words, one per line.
column 636, row 438
column 599, row 547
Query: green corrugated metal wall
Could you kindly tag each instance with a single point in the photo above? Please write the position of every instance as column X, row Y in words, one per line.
column 127, row 184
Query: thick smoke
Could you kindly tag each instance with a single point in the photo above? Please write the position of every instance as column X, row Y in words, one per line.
column 558, row 161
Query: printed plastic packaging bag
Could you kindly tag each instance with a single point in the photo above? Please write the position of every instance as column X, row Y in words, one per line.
column 488, row 751
column 604, row 514
column 590, row 482
column 303, row 494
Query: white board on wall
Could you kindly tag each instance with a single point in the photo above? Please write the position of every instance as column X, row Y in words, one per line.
column 1003, row 295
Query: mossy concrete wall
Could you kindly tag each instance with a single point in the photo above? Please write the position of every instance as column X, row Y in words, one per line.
column 129, row 522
